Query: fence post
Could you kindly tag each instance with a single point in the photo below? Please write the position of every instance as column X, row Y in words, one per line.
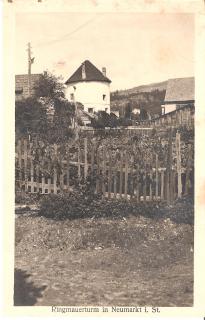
column 179, row 173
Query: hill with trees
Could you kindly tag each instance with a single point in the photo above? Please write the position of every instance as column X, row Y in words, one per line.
column 146, row 97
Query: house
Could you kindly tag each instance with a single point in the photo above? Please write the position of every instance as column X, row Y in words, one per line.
column 22, row 85
column 179, row 93
column 136, row 110
column 89, row 86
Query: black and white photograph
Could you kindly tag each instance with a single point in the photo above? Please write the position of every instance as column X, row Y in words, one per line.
column 104, row 160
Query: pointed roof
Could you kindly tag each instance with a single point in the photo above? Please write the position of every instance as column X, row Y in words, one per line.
column 180, row 89
column 87, row 72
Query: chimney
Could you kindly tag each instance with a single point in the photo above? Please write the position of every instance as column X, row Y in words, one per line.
column 104, row 71
column 83, row 71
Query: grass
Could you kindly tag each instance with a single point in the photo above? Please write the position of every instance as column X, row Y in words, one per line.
column 127, row 261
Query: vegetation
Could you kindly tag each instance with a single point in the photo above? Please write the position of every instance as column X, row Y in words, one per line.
column 149, row 101
column 47, row 114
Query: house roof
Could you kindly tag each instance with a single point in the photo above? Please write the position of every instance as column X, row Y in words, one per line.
column 91, row 73
column 180, row 90
column 21, row 82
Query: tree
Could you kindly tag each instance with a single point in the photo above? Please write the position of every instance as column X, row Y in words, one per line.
column 30, row 117
column 49, row 86
column 104, row 119
column 143, row 114
column 32, row 114
column 128, row 110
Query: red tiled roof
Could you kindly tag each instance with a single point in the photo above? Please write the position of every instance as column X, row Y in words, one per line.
column 91, row 74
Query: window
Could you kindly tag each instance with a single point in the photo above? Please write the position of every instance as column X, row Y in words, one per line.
column 90, row 110
column 104, row 96
column 72, row 96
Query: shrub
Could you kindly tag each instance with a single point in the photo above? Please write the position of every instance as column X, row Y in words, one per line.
column 80, row 205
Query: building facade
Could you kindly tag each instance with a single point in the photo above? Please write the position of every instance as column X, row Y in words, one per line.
column 90, row 87
column 179, row 94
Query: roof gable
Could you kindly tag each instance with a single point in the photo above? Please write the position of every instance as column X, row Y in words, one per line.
column 87, row 72
column 180, row 89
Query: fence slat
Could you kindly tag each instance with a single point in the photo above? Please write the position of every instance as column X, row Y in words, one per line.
column 49, row 177
column 79, row 160
column 115, row 182
column 157, row 177
column 126, row 175
column 188, row 168
column 19, row 152
column 68, row 169
column 31, row 169
column 25, row 151
column 136, row 183
column 55, row 171
column 97, row 172
column 150, row 186
column 145, row 183
column 85, row 158
column 42, row 177
column 103, row 170
column 121, row 173
column 162, row 185
column 179, row 173
column 131, row 179
column 110, row 175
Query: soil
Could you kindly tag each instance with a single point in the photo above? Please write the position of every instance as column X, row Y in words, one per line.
column 132, row 261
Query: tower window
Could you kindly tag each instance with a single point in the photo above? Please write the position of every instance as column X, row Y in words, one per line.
column 104, row 96
column 72, row 96
column 90, row 110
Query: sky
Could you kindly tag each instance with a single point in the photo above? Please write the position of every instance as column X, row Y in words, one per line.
column 135, row 48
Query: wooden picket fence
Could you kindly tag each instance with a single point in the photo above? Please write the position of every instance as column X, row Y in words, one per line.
column 109, row 176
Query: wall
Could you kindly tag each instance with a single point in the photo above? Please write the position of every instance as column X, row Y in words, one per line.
column 169, row 108
column 90, row 94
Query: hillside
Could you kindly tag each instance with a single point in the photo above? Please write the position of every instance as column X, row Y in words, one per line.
column 148, row 97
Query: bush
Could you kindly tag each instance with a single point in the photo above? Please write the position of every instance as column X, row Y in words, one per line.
column 77, row 205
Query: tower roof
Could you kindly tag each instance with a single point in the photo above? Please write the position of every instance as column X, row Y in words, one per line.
column 87, row 72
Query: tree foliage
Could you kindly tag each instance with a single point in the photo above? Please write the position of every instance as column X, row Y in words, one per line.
column 48, row 114
column 49, row 86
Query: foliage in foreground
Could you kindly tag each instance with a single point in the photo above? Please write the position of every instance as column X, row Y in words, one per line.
column 74, row 206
